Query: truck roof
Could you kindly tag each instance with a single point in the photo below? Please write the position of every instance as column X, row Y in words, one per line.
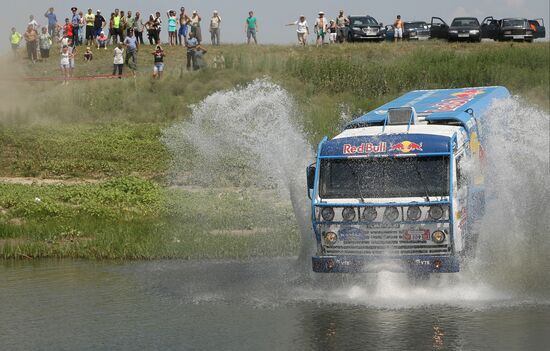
column 440, row 115
column 439, row 106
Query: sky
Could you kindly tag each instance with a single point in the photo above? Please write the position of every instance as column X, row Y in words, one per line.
column 272, row 15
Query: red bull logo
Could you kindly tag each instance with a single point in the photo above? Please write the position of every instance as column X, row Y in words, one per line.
column 406, row 147
column 457, row 100
column 365, row 148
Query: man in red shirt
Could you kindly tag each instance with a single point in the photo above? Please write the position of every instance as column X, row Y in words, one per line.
column 68, row 29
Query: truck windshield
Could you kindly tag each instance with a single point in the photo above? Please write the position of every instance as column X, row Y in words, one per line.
column 384, row 177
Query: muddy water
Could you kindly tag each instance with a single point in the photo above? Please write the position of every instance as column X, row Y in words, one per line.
column 254, row 305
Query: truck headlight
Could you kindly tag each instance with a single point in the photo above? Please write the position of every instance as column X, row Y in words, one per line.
column 356, row 28
column 369, row 214
column 453, row 31
column 474, row 31
column 391, row 213
column 438, row 237
column 414, row 213
column 331, row 238
column 508, row 32
column 327, row 213
column 435, row 212
column 348, row 214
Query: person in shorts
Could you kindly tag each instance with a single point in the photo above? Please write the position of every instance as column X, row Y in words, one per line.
column 158, row 66
column 398, row 31
column 251, row 27
column 332, row 32
column 89, row 18
column 183, row 29
column 15, row 40
column 302, row 29
column 321, row 27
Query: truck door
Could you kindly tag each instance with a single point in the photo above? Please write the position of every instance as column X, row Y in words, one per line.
column 537, row 25
column 438, row 28
column 490, row 28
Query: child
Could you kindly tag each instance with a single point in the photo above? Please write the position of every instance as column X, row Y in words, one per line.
column 102, row 40
column 65, row 63
column 158, row 67
column 88, row 54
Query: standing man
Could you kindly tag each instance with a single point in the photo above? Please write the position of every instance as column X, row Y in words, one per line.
column 251, row 27
column 31, row 37
column 341, row 23
column 398, row 25
column 130, row 23
column 215, row 28
column 184, row 22
column 191, row 46
column 139, row 27
column 196, row 26
column 52, row 21
column 321, row 26
column 99, row 24
column 132, row 47
column 75, row 21
column 90, row 27
column 116, row 27
column 15, row 39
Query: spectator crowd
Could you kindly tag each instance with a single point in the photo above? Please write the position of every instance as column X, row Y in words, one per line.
column 127, row 31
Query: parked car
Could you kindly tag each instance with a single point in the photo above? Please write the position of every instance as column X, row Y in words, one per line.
column 461, row 28
column 512, row 29
column 364, row 28
column 417, row 30
column 537, row 25
column 465, row 28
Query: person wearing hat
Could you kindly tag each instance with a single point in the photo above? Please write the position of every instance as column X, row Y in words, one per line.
column 88, row 54
column 196, row 26
column 320, row 28
column 90, row 26
column 75, row 21
column 215, row 28
column 102, row 40
column 302, row 29
column 99, row 24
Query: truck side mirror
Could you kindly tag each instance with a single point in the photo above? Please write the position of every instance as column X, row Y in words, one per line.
column 310, row 173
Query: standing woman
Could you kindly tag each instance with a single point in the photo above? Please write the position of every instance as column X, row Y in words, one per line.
column 302, row 29
column 81, row 28
column 158, row 67
column 45, row 42
column 172, row 25
column 158, row 27
column 150, row 25
column 118, row 61
column 196, row 26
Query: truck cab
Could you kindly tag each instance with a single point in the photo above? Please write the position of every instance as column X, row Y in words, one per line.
column 401, row 187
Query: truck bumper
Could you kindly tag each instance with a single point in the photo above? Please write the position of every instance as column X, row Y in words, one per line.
column 373, row 264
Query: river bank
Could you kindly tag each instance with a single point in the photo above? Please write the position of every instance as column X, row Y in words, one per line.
column 86, row 172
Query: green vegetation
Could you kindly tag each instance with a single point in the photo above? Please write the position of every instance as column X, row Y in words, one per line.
column 100, row 140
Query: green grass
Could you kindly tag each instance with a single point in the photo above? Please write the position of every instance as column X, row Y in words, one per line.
column 110, row 131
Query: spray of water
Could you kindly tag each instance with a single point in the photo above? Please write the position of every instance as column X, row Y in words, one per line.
column 251, row 129
column 515, row 232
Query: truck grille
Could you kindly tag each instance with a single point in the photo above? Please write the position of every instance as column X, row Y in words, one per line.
column 386, row 243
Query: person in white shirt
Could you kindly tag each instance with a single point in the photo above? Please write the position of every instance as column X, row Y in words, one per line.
column 302, row 29
column 118, row 62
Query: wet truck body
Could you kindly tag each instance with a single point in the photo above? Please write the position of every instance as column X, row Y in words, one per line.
column 401, row 188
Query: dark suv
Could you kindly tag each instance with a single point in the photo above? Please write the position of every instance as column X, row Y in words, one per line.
column 362, row 28
column 462, row 28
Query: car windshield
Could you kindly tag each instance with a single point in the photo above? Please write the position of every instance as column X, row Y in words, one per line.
column 514, row 23
column 384, row 177
column 363, row 21
column 416, row 25
column 465, row 22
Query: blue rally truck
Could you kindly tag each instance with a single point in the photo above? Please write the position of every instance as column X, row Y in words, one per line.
column 401, row 187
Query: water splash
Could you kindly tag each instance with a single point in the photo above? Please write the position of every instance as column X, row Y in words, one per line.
column 249, row 131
